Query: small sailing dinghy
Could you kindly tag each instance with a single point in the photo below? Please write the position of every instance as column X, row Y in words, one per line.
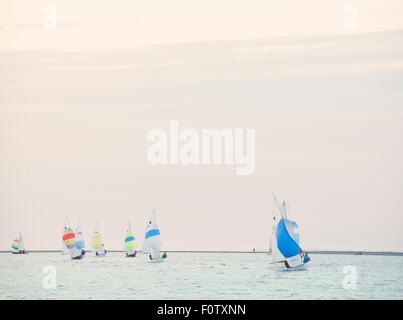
column 80, row 239
column 18, row 247
column 152, row 240
column 130, row 242
column 97, row 243
column 284, row 244
column 69, row 240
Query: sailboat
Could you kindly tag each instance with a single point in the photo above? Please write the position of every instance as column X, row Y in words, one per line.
column 80, row 239
column 97, row 243
column 152, row 240
column 130, row 242
column 18, row 247
column 284, row 244
column 70, row 242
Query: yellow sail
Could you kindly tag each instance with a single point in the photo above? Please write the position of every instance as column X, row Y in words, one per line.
column 97, row 241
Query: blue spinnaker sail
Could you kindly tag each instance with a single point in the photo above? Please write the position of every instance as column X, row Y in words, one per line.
column 285, row 242
column 80, row 244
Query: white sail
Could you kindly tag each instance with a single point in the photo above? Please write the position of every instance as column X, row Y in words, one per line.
column 277, row 215
column 22, row 245
column 292, row 228
column 275, row 253
column 288, row 210
column 283, row 210
column 152, row 239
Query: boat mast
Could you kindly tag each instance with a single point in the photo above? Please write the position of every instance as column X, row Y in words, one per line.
column 278, row 206
column 288, row 210
column 66, row 220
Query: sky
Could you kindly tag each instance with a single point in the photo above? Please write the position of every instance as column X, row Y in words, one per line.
column 79, row 91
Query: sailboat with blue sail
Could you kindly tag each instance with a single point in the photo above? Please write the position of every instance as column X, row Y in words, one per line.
column 284, row 245
column 152, row 239
column 80, row 239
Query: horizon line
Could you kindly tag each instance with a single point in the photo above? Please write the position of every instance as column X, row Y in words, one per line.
column 328, row 252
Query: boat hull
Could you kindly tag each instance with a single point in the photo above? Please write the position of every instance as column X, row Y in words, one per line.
column 100, row 253
column 299, row 267
column 158, row 259
column 76, row 254
column 297, row 262
column 131, row 255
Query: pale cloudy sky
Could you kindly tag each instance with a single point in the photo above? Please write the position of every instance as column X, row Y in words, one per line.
column 77, row 101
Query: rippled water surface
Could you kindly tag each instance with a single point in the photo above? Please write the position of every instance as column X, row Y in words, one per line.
column 198, row 276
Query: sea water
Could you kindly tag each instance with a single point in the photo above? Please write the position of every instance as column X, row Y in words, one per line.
column 198, row 276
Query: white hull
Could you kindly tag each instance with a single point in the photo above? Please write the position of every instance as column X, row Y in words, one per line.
column 298, row 268
column 296, row 262
column 76, row 254
column 280, row 266
column 100, row 253
column 131, row 253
